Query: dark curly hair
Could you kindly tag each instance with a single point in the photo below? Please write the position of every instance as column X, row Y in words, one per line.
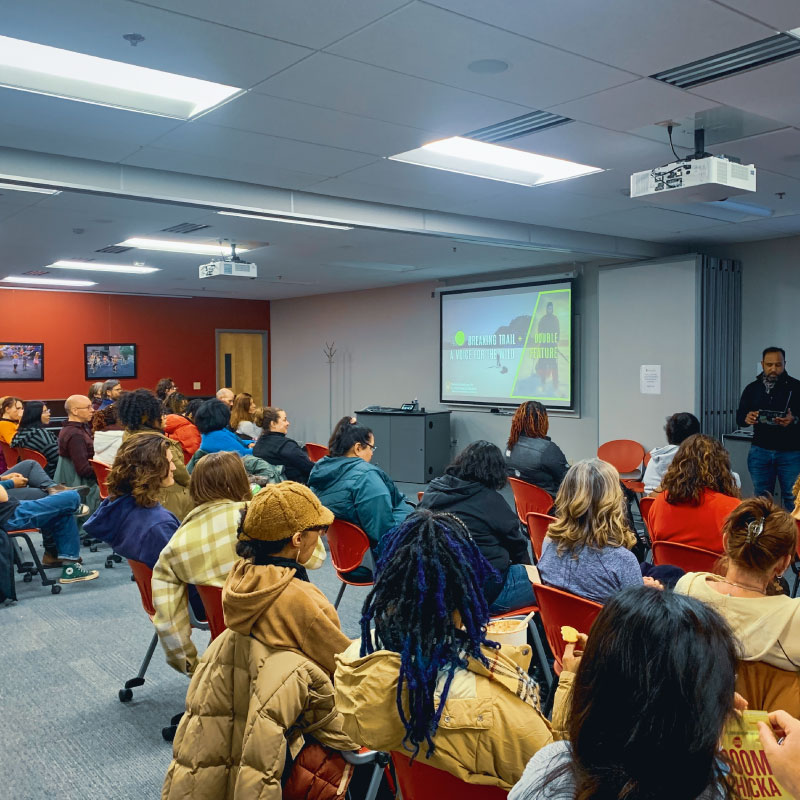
column 428, row 605
column 213, row 415
column 482, row 462
column 140, row 410
column 105, row 418
column 139, row 467
column 176, row 403
column 162, row 387
column 531, row 420
column 681, row 426
column 191, row 408
column 700, row 463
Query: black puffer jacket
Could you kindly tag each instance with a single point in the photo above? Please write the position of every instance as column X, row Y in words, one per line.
column 538, row 461
column 488, row 517
column 277, row 449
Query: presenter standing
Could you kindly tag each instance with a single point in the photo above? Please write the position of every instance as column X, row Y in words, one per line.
column 771, row 404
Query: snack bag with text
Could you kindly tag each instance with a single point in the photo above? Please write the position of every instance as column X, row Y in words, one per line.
column 752, row 774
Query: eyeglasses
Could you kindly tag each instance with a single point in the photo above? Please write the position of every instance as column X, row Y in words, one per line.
column 372, row 447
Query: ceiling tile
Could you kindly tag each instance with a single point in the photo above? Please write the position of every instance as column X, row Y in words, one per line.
column 437, row 45
column 644, row 222
column 338, row 83
column 782, row 15
column 643, row 36
column 172, row 42
column 778, row 151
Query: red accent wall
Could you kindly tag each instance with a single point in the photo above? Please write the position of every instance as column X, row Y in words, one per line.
column 175, row 336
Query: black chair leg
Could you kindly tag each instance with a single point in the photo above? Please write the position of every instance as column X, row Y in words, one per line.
column 36, row 565
column 126, row 694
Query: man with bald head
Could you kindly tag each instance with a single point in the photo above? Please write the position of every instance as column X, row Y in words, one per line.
column 75, row 440
column 226, row 395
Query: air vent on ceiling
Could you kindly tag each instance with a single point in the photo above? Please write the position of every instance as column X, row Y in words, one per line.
column 184, row 227
column 113, row 248
column 36, row 272
column 722, row 65
column 519, row 126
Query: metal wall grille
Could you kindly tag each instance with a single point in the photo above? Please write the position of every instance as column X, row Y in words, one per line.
column 720, row 346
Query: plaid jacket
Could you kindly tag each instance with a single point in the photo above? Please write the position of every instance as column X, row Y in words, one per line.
column 201, row 552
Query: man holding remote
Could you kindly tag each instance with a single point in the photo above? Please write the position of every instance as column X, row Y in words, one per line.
column 771, row 403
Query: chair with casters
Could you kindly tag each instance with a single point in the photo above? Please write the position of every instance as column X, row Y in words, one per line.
column 420, row 781
column 143, row 575
column 528, row 498
column 101, row 470
column 558, row 608
column 537, row 525
column 685, row 556
column 27, row 454
column 9, row 454
column 29, row 568
column 316, row 451
column 348, row 545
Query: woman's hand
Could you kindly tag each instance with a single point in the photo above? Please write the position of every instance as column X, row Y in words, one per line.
column 783, row 753
column 573, row 653
column 653, row 583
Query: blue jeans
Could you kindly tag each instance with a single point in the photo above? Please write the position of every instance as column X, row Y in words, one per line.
column 517, row 591
column 766, row 465
column 54, row 515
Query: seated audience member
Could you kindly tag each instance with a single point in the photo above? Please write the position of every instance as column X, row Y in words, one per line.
column 760, row 541
column 266, row 680
column 141, row 412
column 697, row 494
column 131, row 519
column 338, row 426
column 179, row 424
column 469, row 489
column 76, row 447
column 355, row 490
column 107, row 432
column 165, row 388
column 95, row 394
column 213, row 421
column 587, row 549
column 11, row 410
column 201, row 552
column 242, row 413
column 226, row 396
column 531, row 456
column 33, row 434
column 275, row 447
column 110, row 393
column 54, row 515
column 653, row 689
column 426, row 681
column 679, row 427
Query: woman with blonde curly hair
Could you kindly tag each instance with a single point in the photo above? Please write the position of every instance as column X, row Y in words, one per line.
column 131, row 519
column 696, row 495
column 587, row 549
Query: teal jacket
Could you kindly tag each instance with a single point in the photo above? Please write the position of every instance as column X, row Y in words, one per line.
column 359, row 492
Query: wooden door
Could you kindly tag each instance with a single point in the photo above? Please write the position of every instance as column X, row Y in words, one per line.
column 242, row 363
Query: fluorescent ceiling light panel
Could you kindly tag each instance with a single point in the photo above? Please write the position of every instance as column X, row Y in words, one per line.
column 485, row 160
column 170, row 246
column 15, row 187
column 46, row 281
column 41, row 69
column 92, row 267
column 268, row 218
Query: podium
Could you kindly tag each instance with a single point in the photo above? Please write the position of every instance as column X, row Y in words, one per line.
column 411, row 446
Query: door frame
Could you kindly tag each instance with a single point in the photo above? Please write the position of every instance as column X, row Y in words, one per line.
column 264, row 353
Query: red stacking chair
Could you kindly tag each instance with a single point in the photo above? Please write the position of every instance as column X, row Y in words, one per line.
column 557, row 608
column 316, row 451
column 420, row 781
column 26, row 454
column 688, row 558
column 645, row 505
column 9, row 454
column 528, row 498
column 419, row 496
column 629, row 458
column 537, row 525
column 348, row 544
column 212, row 602
column 101, row 470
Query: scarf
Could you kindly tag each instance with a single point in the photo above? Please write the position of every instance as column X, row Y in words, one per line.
column 279, row 561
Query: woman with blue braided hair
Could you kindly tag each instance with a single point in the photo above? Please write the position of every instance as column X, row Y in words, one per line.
column 427, row 681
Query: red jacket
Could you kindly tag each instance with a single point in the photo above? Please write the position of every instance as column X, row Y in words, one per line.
column 185, row 432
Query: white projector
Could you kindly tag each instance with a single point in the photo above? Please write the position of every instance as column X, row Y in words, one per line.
column 228, row 269
column 698, row 180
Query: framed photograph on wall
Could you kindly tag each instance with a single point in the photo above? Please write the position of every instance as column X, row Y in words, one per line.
column 21, row 361
column 104, row 361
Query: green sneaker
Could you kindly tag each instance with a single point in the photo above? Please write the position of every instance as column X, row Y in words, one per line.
column 74, row 572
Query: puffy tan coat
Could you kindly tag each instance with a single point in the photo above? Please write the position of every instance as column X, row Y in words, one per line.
column 246, row 703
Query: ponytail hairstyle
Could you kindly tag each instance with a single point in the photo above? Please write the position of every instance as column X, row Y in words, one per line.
column 348, row 420
column 266, row 415
column 428, row 584
column 347, row 437
column 530, row 420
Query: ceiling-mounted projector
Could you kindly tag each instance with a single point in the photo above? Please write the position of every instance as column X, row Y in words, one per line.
column 229, row 267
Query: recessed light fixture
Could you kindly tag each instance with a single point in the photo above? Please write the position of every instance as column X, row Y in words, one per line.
column 171, row 246
column 267, row 218
column 92, row 267
column 16, row 187
column 485, row 160
column 488, row 66
column 38, row 68
column 46, row 281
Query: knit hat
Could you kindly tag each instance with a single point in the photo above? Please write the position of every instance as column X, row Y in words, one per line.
column 280, row 510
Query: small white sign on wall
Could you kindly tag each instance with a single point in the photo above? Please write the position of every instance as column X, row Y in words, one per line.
column 650, row 379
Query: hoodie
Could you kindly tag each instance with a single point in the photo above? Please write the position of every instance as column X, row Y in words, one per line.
column 660, row 459
column 488, row 517
column 268, row 603
column 132, row 530
column 360, row 493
